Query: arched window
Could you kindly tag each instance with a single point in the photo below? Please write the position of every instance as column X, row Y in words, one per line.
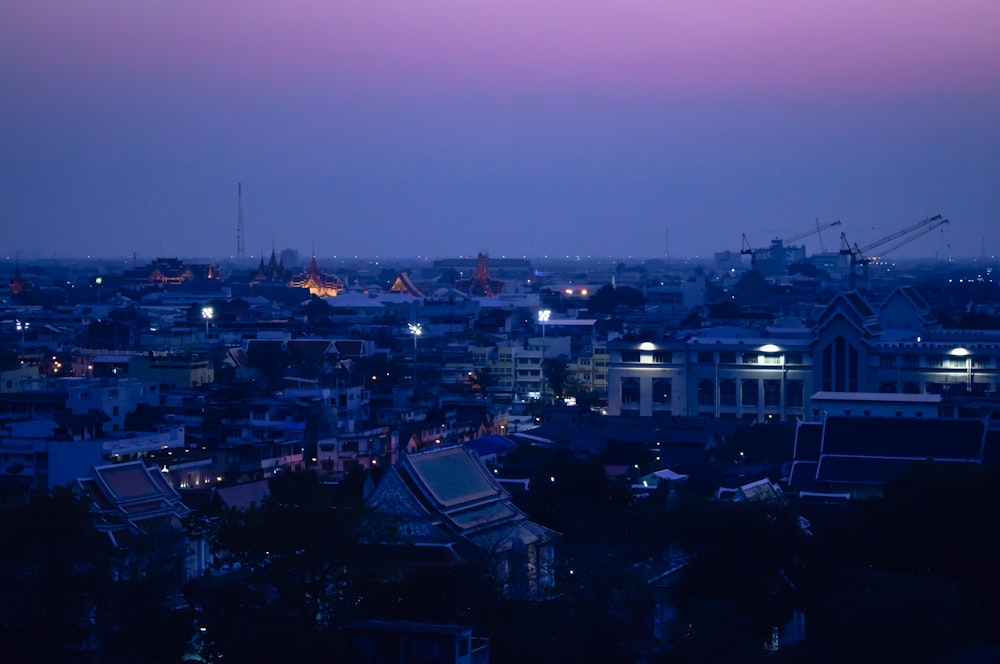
column 662, row 391
column 727, row 393
column 706, row 393
column 630, row 390
column 887, row 388
column 749, row 393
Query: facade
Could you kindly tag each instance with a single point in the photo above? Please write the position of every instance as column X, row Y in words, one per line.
column 773, row 373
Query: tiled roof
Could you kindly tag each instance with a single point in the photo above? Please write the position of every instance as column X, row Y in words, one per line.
column 128, row 481
column 808, row 436
column 491, row 445
column 451, row 476
column 903, row 437
column 878, row 450
column 863, row 470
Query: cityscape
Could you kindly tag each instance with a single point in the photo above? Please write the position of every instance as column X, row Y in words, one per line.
column 483, row 459
column 643, row 332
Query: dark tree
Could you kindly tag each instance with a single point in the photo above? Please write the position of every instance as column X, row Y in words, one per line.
column 55, row 579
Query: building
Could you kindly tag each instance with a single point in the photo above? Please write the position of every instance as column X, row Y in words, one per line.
column 319, row 283
column 773, row 373
column 450, row 509
column 858, row 456
column 169, row 272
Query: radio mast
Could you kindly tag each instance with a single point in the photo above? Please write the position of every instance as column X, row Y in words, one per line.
column 240, row 239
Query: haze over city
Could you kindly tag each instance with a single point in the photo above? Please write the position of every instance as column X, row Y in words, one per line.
column 635, row 128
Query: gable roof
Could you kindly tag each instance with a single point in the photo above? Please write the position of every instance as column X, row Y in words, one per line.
column 446, row 495
column 853, row 308
column 878, row 450
column 126, row 494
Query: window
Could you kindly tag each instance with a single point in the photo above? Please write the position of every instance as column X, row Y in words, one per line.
column 661, row 357
column 887, row 361
column 887, row 388
column 794, row 358
column 662, row 391
column 911, row 388
column 772, row 393
column 630, row 390
column 749, row 393
column 727, row 393
column 630, row 356
column 706, row 357
column 727, row 358
column 750, row 358
column 706, row 393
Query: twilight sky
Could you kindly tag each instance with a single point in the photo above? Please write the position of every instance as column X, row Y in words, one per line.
column 519, row 127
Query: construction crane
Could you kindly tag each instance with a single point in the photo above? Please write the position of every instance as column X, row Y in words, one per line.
column 747, row 250
column 819, row 227
column 901, row 237
column 775, row 258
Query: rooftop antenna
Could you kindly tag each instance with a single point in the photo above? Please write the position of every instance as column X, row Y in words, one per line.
column 240, row 244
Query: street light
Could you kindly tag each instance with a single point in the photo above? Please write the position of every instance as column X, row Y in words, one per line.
column 543, row 318
column 416, row 329
column 99, row 281
column 21, row 327
column 207, row 313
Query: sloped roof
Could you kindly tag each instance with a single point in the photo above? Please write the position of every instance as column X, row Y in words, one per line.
column 866, row 470
column 878, row 450
column 761, row 491
column 491, row 445
column 903, row 437
column 447, row 495
column 244, row 495
column 853, row 308
column 404, row 284
column 451, row 476
column 129, row 493
column 808, row 437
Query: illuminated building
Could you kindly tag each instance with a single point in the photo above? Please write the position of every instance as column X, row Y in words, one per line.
column 318, row 282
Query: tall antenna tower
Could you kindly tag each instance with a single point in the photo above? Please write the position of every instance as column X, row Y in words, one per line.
column 240, row 239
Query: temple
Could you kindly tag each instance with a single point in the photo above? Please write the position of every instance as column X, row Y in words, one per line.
column 271, row 273
column 318, row 282
column 481, row 285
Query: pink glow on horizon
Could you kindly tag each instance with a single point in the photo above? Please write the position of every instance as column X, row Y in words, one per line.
column 784, row 47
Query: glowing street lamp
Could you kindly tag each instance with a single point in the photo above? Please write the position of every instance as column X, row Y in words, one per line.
column 416, row 329
column 543, row 318
column 207, row 313
column 22, row 326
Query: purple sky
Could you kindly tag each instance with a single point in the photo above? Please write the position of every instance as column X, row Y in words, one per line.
column 520, row 127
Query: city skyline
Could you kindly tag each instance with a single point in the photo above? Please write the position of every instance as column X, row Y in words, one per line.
column 640, row 129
